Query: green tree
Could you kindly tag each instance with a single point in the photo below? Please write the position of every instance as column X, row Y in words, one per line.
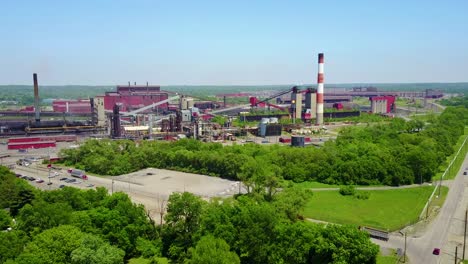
column 291, row 201
column 39, row 216
column 182, row 221
column 5, row 220
column 93, row 250
column 255, row 222
column 121, row 222
column 14, row 192
column 211, row 250
column 12, row 244
column 344, row 244
column 293, row 242
column 52, row 246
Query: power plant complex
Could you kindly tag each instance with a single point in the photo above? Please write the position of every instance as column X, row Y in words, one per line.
column 148, row 112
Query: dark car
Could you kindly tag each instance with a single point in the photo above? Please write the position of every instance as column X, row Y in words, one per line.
column 63, row 179
column 49, row 183
column 31, row 178
column 61, row 186
column 436, row 251
column 18, row 175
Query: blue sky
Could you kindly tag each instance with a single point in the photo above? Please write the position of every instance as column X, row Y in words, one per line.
column 239, row 42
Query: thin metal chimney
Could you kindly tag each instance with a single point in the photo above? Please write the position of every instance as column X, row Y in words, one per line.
column 319, row 119
column 36, row 98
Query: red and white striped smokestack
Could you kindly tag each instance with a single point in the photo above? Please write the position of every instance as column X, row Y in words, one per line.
column 319, row 118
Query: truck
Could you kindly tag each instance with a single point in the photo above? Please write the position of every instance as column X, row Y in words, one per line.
column 78, row 174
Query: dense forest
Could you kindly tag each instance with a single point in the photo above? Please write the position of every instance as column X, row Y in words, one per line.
column 75, row 226
column 394, row 152
column 455, row 101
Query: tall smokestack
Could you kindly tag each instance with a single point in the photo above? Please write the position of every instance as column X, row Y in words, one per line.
column 36, row 98
column 319, row 119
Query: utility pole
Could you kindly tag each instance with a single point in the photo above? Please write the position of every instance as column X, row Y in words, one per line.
column 112, row 190
column 456, row 257
column 464, row 236
column 404, row 253
column 427, row 209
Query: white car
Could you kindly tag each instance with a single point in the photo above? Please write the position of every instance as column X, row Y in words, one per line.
column 52, row 175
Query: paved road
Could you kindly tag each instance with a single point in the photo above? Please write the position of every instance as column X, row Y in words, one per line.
column 419, row 249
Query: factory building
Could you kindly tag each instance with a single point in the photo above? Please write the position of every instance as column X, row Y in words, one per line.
column 135, row 97
column 33, row 145
column 382, row 104
column 72, row 106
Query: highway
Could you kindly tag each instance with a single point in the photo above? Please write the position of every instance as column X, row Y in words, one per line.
column 440, row 233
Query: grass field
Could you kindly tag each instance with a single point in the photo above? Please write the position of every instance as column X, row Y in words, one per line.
column 319, row 185
column 314, row 184
column 390, row 259
column 388, row 209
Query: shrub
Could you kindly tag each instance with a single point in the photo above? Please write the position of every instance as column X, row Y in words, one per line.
column 362, row 195
column 347, row 190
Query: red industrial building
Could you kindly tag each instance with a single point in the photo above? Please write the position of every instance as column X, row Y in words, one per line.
column 134, row 97
column 128, row 97
column 57, row 138
column 33, row 144
column 382, row 104
column 72, row 106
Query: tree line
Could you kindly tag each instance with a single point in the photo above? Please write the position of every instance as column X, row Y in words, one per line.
column 393, row 152
column 69, row 225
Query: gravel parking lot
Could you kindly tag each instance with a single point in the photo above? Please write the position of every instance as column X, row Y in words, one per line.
column 150, row 186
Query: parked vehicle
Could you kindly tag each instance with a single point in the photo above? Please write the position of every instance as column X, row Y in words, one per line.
column 63, row 179
column 78, row 174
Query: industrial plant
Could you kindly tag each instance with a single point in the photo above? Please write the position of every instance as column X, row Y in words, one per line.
column 147, row 112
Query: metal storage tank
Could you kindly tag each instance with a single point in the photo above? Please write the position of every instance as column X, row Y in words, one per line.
column 262, row 130
column 297, row 141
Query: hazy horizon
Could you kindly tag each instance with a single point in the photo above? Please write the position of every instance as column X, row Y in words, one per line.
column 240, row 85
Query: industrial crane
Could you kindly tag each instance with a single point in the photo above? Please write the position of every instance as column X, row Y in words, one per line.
column 254, row 102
